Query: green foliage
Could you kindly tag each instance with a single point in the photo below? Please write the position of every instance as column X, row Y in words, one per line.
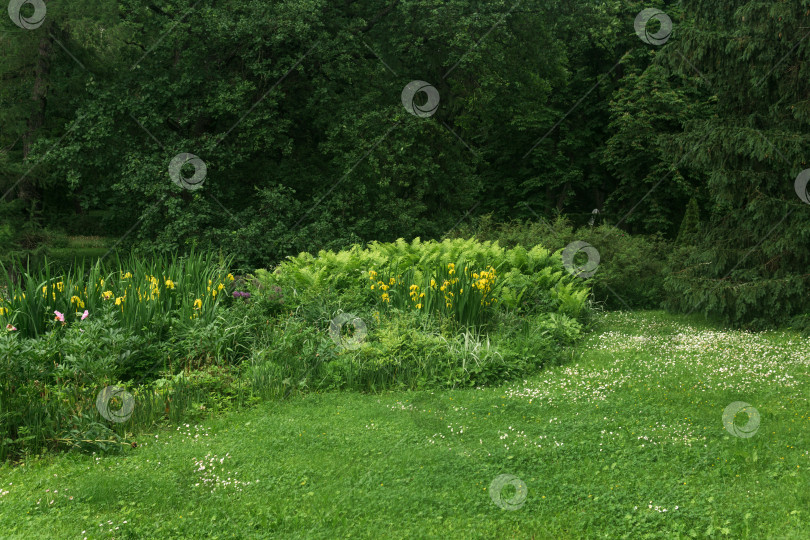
column 630, row 272
column 420, row 464
column 689, row 232
column 51, row 371
column 559, row 111
column 437, row 290
column 293, row 165
column 437, row 314
column 144, row 293
column 750, row 266
column 384, row 275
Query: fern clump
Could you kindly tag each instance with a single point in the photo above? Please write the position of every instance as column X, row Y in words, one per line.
column 463, row 280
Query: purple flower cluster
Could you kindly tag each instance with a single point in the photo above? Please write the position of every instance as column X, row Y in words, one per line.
column 240, row 294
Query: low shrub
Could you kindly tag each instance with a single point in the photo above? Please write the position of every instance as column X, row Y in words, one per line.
column 706, row 280
column 631, row 270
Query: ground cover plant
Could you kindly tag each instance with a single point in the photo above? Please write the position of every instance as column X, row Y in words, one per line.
column 628, row 440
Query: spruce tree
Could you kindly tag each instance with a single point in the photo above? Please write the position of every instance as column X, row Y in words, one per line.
column 690, row 226
column 752, row 58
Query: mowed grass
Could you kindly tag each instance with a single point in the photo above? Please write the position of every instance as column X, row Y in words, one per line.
column 625, row 441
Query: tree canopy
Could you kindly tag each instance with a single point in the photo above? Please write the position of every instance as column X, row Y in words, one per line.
column 295, row 108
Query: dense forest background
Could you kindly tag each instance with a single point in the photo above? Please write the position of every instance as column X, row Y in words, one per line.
column 548, row 109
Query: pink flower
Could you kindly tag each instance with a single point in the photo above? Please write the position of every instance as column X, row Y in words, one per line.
column 59, row 317
column 11, row 328
column 85, row 314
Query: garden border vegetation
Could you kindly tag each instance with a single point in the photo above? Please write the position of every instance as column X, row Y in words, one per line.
column 182, row 336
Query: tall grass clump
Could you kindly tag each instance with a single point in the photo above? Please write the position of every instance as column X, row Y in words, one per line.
column 147, row 292
column 437, row 290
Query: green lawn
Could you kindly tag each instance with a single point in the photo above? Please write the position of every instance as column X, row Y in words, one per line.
column 625, row 441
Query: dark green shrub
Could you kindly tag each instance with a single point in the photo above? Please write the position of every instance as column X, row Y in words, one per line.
column 631, row 268
column 700, row 281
